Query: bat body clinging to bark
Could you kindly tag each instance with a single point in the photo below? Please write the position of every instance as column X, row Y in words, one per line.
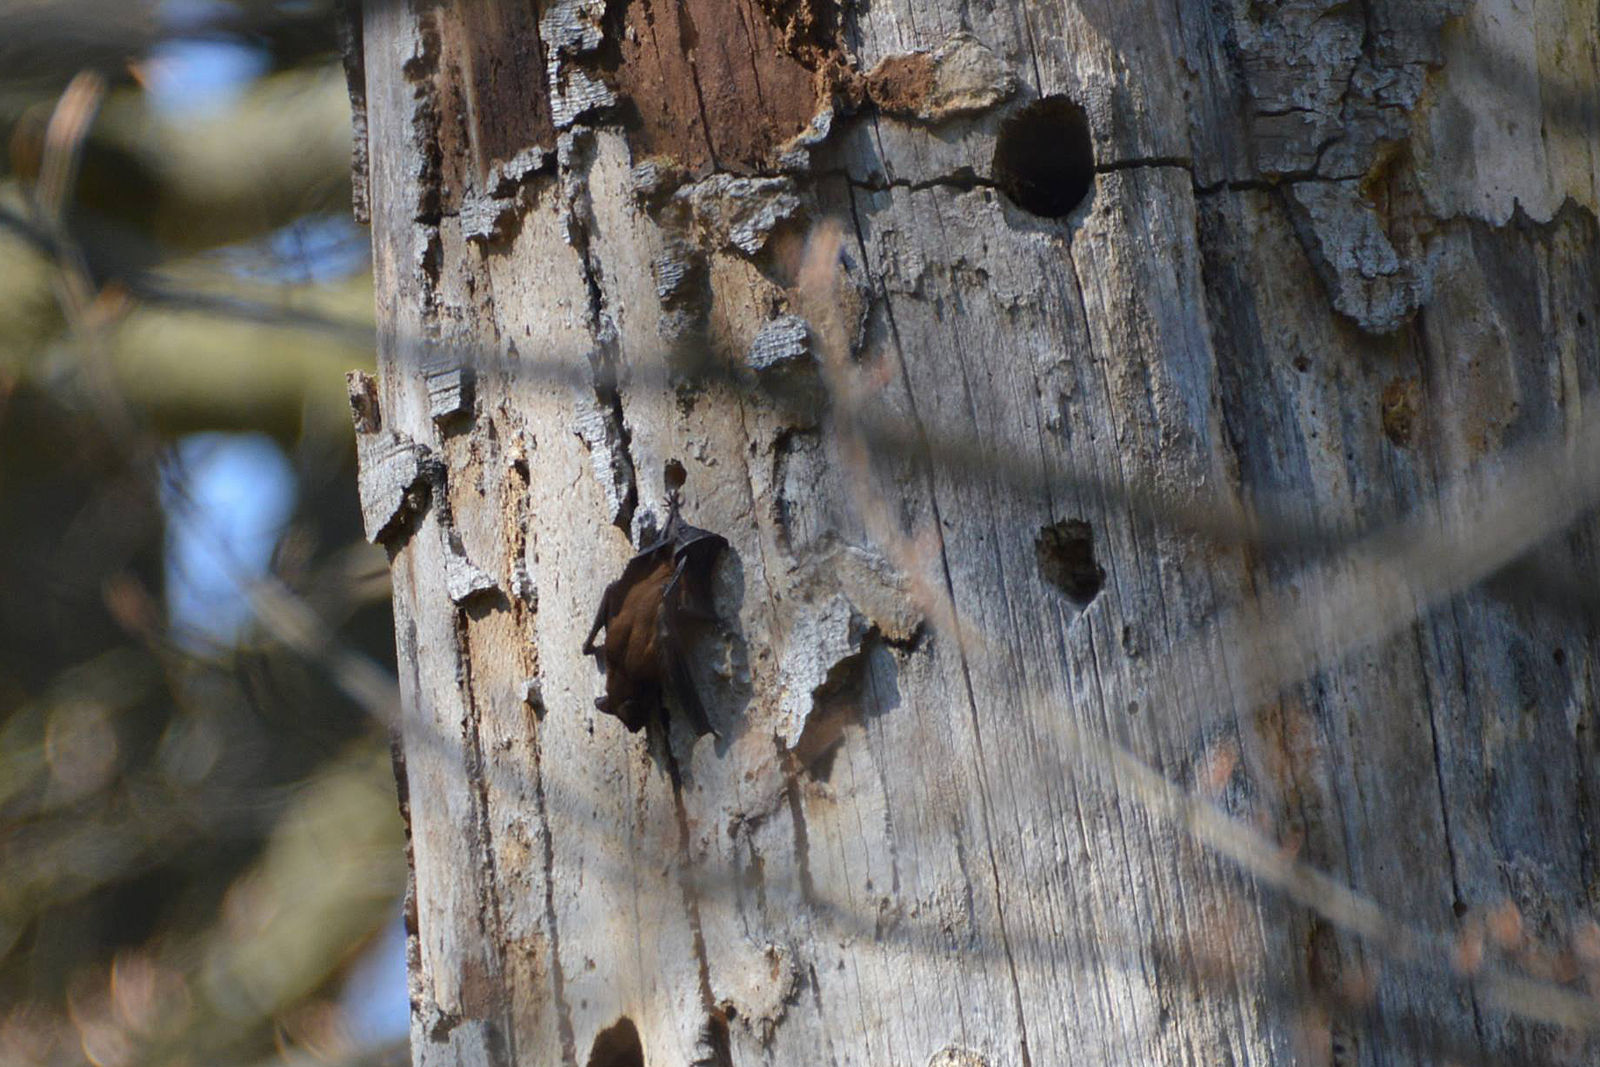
column 646, row 614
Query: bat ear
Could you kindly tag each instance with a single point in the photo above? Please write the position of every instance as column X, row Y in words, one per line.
column 674, row 476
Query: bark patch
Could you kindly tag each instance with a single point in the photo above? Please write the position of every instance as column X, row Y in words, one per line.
column 899, row 84
column 717, row 85
column 505, row 65
column 481, row 100
column 960, row 77
column 1332, row 87
column 809, row 28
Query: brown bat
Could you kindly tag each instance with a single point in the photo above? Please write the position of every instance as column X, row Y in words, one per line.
column 646, row 613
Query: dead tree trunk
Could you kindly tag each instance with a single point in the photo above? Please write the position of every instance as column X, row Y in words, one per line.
column 1050, row 661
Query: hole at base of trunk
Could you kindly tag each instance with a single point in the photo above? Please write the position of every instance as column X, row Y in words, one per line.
column 617, row 1046
column 715, row 1048
column 1044, row 157
column 1065, row 551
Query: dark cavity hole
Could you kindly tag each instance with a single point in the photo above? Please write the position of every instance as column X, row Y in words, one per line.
column 617, row 1046
column 1065, row 551
column 1044, row 158
column 716, row 1048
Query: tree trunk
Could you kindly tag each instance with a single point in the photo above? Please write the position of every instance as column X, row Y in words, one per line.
column 1031, row 746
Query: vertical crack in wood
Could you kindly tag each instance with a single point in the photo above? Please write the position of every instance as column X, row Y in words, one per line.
column 1444, row 805
column 691, row 892
column 1421, row 334
column 558, row 980
column 957, row 640
column 603, row 359
column 406, row 652
column 501, row 1043
column 802, row 839
column 746, row 18
column 688, row 38
column 881, row 764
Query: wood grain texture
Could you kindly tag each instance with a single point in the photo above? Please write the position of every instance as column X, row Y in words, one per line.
column 899, row 854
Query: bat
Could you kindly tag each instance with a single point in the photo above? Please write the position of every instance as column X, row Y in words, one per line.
column 647, row 613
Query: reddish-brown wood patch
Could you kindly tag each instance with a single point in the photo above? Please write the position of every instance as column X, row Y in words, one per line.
column 712, row 84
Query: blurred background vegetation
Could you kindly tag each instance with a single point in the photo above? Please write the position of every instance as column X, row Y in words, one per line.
column 201, row 856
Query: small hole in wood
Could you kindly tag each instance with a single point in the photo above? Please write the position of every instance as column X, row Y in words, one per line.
column 1044, row 157
column 1065, row 551
column 617, row 1046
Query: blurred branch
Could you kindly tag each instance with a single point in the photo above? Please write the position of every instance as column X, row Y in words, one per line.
column 280, row 151
column 193, row 369
column 191, row 181
column 332, row 869
column 226, row 353
column 63, row 141
column 1315, row 890
column 47, row 42
column 293, row 622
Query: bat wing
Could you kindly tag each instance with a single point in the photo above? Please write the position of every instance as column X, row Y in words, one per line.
column 681, row 681
column 675, row 651
column 696, row 552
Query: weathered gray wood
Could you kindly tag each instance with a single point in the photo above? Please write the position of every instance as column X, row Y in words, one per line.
column 1298, row 278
